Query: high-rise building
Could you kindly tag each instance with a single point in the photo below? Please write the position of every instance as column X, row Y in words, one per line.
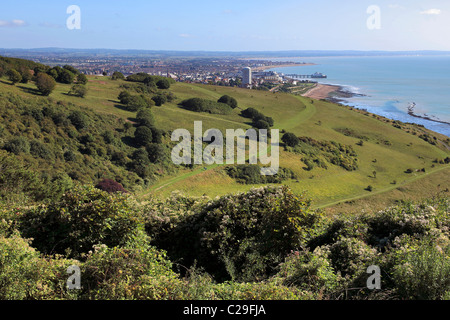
column 247, row 76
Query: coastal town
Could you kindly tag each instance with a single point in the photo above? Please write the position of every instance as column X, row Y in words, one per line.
column 251, row 73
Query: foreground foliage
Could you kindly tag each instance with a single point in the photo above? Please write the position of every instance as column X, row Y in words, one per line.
column 263, row 244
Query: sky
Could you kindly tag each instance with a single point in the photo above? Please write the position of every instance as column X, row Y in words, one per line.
column 244, row 25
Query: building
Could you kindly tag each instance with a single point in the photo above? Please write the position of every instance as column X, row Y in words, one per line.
column 247, row 76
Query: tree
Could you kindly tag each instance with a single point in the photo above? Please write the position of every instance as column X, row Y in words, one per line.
column 290, row 139
column 71, row 69
column 117, row 76
column 124, row 97
column 163, row 84
column 159, row 100
column 26, row 75
column 45, row 83
column 143, row 135
column 156, row 152
column 145, row 118
column 82, row 79
column 65, row 76
column 232, row 102
column 79, row 119
column 78, row 90
column 261, row 124
column 14, row 76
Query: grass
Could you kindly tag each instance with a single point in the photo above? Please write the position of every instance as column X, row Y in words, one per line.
column 387, row 150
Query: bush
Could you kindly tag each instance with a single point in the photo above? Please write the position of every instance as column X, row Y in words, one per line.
column 163, row 84
column 78, row 90
column 79, row 120
column 423, row 273
column 203, row 105
column 18, row 145
column 136, row 271
column 290, row 139
column 145, row 118
column 45, row 84
column 117, row 76
column 110, row 186
column 85, row 216
column 82, row 79
column 241, row 237
column 232, row 102
column 24, row 275
column 143, row 135
column 14, row 76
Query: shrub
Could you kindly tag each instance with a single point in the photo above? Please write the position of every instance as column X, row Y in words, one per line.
column 143, row 135
column 24, row 275
column 136, row 271
column 203, row 105
column 79, row 120
column 14, row 76
column 78, row 90
column 117, row 76
column 83, row 217
column 290, row 139
column 163, row 84
column 232, row 102
column 18, row 145
column 110, row 186
column 242, row 237
column 157, row 153
column 423, row 273
column 45, row 84
column 82, row 79
column 145, row 118
column 159, row 99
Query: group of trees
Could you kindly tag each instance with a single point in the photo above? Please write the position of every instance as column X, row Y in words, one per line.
column 259, row 120
column 45, row 78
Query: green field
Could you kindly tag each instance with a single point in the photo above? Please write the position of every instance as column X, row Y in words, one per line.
column 395, row 149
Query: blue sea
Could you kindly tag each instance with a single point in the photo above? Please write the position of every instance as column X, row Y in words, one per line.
column 389, row 84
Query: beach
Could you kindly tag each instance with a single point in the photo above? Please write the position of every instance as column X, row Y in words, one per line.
column 321, row 91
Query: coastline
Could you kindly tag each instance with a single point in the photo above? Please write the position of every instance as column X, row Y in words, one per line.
column 336, row 94
column 322, row 91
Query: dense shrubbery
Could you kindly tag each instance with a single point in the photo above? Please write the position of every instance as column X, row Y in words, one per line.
column 259, row 120
column 267, row 242
column 204, row 105
column 320, row 153
column 251, row 174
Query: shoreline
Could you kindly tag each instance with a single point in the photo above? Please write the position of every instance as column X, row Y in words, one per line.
column 336, row 93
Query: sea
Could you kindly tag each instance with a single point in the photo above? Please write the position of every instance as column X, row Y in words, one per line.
column 388, row 85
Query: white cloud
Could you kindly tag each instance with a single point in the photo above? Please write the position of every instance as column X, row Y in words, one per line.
column 185, row 35
column 431, row 12
column 12, row 23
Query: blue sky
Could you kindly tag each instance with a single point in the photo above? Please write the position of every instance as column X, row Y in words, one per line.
column 257, row 25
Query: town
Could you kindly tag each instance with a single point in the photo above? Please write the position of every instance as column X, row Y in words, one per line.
column 252, row 73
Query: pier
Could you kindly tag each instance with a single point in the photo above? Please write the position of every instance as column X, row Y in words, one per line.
column 307, row 76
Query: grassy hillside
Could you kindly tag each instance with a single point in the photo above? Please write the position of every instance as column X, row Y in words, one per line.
column 388, row 148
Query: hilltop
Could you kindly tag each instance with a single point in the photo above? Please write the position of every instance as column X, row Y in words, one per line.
column 397, row 160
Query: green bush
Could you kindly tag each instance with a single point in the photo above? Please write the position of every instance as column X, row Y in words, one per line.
column 18, row 145
column 83, row 217
column 241, row 237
